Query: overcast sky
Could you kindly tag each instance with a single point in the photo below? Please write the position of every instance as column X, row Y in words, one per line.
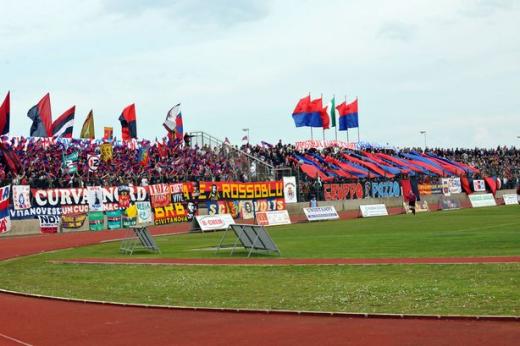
column 449, row 67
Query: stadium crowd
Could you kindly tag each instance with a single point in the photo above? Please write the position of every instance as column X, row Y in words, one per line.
column 41, row 165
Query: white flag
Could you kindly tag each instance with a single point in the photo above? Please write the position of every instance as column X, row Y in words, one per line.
column 169, row 123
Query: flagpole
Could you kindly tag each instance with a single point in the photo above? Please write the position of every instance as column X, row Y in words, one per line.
column 334, row 115
column 348, row 140
column 312, row 137
column 357, row 126
column 322, row 128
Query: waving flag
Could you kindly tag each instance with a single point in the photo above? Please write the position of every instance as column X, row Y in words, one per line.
column 333, row 112
column 62, row 127
column 41, row 117
column 348, row 115
column 179, row 128
column 108, row 133
column 87, row 131
column 128, row 122
column 325, row 120
column 4, row 115
column 143, row 156
column 169, row 123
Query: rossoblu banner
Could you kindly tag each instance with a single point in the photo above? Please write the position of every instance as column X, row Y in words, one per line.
column 511, row 199
column 482, row 200
column 372, row 210
column 273, row 218
column 321, row 213
column 214, row 222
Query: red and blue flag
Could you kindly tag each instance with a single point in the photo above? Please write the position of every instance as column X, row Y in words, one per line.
column 128, row 123
column 309, row 113
column 348, row 115
column 4, row 115
column 41, row 117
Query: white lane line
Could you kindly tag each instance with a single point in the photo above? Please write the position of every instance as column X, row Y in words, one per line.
column 15, row 340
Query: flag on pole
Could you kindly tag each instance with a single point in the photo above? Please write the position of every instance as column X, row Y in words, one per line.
column 128, row 123
column 4, row 115
column 348, row 115
column 62, row 127
column 325, row 120
column 87, row 131
column 169, row 123
column 108, row 133
column 179, row 128
column 333, row 112
column 41, row 116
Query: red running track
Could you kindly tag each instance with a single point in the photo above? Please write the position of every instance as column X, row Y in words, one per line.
column 47, row 322
column 36, row 321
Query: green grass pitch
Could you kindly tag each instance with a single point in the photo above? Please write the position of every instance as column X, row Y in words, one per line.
column 482, row 289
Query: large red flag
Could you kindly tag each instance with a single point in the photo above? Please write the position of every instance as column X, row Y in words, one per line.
column 4, row 115
column 41, row 117
column 128, row 123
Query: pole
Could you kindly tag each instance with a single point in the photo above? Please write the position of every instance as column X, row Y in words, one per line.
column 322, row 128
column 357, row 126
column 348, row 139
column 312, row 137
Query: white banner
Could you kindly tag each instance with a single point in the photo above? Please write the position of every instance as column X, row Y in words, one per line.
column 318, row 144
column 455, row 186
column 289, row 189
column 95, row 198
column 214, row 222
column 273, row 218
column 21, row 197
column 482, row 200
column 247, row 210
column 373, row 210
column 5, row 219
column 93, row 162
column 511, row 199
column 144, row 213
column 479, row 185
column 49, row 223
column 321, row 213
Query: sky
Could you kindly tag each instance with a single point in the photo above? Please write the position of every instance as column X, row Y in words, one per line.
column 447, row 67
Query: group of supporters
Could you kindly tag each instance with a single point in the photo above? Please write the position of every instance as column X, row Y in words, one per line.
column 41, row 166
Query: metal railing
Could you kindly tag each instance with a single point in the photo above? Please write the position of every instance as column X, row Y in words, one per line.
column 248, row 167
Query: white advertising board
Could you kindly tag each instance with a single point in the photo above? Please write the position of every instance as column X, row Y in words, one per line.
column 482, row 200
column 511, row 199
column 321, row 213
column 214, row 222
column 373, row 210
column 273, row 218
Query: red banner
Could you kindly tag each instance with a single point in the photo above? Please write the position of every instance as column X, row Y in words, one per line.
column 339, row 192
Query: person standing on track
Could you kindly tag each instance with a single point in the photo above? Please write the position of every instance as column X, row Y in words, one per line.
column 411, row 201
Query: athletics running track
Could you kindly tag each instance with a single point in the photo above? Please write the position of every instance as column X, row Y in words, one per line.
column 40, row 321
